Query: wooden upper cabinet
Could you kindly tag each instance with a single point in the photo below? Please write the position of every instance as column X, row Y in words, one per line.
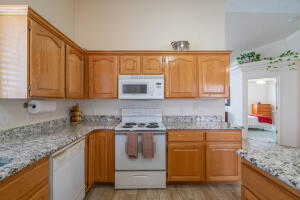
column 222, row 162
column 152, row 65
column 74, row 73
column 103, row 76
column 186, row 161
column 181, row 77
column 213, row 75
column 130, row 65
column 47, row 63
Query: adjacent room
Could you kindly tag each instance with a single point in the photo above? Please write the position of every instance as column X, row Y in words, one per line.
column 262, row 110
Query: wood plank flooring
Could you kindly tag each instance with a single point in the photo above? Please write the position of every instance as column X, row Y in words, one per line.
column 205, row 191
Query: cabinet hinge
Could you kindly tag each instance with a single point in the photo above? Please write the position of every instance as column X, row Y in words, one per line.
column 29, row 27
column 29, row 88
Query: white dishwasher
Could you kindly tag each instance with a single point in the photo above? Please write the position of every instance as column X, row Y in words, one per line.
column 67, row 173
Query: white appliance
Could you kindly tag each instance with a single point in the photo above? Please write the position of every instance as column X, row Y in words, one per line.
column 67, row 173
column 140, row 173
column 141, row 87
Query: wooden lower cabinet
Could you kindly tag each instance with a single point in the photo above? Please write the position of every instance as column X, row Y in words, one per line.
column 30, row 183
column 193, row 157
column 259, row 185
column 222, row 162
column 186, row 161
column 101, row 158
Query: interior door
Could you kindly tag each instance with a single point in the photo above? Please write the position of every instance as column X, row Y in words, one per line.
column 213, row 75
column 74, row 73
column 47, row 63
column 181, row 77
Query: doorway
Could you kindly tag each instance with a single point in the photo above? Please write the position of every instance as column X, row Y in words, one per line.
column 262, row 110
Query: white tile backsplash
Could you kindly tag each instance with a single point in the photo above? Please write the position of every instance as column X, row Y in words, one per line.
column 12, row 113
column 178, row 107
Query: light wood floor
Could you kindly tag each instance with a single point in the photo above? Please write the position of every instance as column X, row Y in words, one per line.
column 217, row 191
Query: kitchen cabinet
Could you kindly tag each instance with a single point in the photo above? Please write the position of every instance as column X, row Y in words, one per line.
column 213, row 75
column 103, row 76
column 203, row 155
column 74, row 73
column 259, row 185
column 29, row 184
column 103, row 156
column 186, row 161
column 152, row 65
column 186, row 156
column 89, row 161
column 47, row 63
column 222, row 162
column 34, row 62
column 181, row 77
column 130, row 65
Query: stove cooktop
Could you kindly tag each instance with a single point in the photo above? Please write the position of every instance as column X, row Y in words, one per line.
column 141, row 126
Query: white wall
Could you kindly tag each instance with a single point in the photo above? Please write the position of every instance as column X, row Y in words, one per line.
column 59, row 13
column 13, row 114
column 144, row 24
column 276, row 48
column 176, row 107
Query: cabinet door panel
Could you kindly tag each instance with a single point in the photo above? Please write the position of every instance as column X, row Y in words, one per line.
column 213, row 76
column 181, row 77
column 74, row 73
column 47, row 63
column 152, row 65
column 103, row 76
column 222, row 162
column 130, row 65
column 104, row 156
column 186, row 161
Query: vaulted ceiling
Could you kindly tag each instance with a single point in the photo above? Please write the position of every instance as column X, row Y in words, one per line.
column 254, row 23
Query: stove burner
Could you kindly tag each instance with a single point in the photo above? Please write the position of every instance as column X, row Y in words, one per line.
column 141, row 124
column 130, row 124
column 127, row 126
column 152, row 126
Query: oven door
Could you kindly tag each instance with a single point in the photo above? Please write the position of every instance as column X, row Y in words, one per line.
column 123, row 163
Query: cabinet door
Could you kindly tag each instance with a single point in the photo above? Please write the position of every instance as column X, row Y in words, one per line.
column 222, row 162
column 103, row 76
column 104, row 156
column 247, row 195
column 186, row 161
column 181, row 77
column 213, row 76
column 90, row 173
column 130, row 65
column 152, row 65
column 47, row 63
column 74, row 73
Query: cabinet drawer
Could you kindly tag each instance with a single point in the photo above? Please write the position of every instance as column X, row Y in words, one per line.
column 25, row 183
column 213, row 136
column 185, row 135
column 263, row 187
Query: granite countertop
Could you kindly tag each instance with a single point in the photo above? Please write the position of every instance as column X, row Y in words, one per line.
column 200, row 125
column 25, row 152
column 279, row 161
column 25, row 148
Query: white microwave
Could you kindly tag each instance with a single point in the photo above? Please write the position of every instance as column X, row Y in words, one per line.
column 141, row 87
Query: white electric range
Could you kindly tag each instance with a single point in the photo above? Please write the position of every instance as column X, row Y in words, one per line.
column 141, row 172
